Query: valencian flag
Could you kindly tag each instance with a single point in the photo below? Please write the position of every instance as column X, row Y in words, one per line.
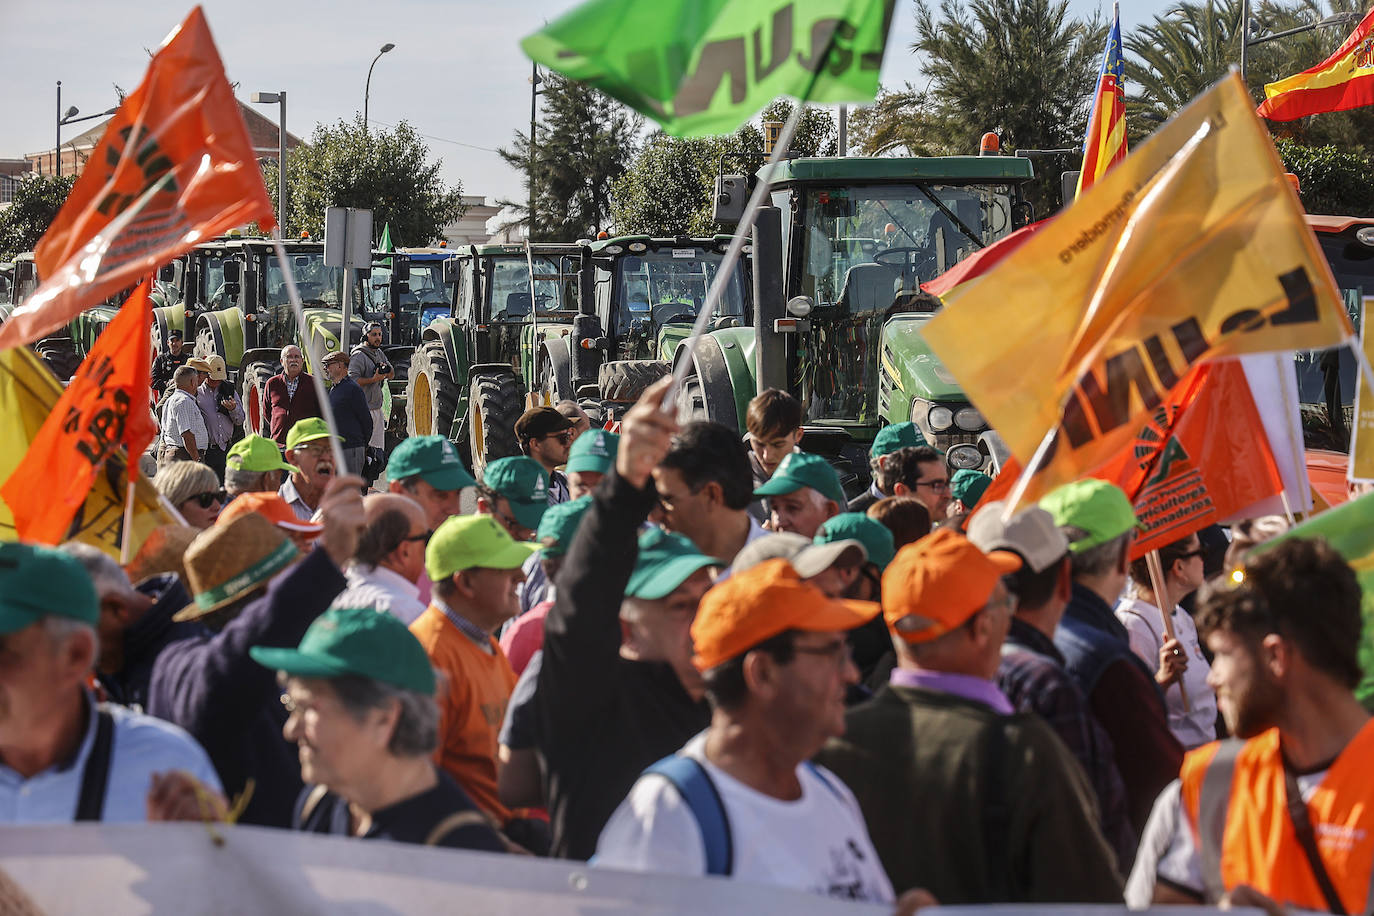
column 175, row 167
column 702, row 67
column 1193, row 248
column 1343, row 81
column 1105, row 144
column 29, row 393
column 104, row 409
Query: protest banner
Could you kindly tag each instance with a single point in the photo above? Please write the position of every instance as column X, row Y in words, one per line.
column 174, row 167
column 28, row 394
column 1193, row 248
column 104, row 408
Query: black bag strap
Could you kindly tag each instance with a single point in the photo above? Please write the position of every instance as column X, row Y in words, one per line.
column 1302, row 826
column 90, row 804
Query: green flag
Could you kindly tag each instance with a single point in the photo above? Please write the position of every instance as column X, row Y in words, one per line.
column 1350, row 529
column 706, row 66
column 385, row 243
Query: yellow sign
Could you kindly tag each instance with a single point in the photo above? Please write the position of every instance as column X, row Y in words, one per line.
column 1362, row 433
column 28, row 392
column 1193, row 248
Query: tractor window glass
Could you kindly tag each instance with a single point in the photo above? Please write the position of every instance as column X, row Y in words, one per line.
column 555, row 289
column 212, row 281
column 670, row 284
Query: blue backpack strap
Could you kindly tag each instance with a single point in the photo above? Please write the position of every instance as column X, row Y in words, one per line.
column 694, row 784
column 825, row 780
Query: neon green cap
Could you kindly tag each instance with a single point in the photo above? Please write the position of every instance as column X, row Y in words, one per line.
column 255, row 454
column 469, row 541
column 1101, row 509
column 307, row 430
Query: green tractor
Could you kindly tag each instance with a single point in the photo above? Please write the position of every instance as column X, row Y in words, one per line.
column 58, row 350
column 639, row 297
column 248, row 317
column 468, row 377
column 839, row 255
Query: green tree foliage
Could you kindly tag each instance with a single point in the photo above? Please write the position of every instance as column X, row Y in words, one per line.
column 1332, row 180
column 583, row 143
column 35, row 205
column 669, row 188
column 386, row 171
column 1022, row 68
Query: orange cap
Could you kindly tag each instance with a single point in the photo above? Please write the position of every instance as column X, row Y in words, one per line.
column 762, row 602
column 271, row 507
column 935, row 584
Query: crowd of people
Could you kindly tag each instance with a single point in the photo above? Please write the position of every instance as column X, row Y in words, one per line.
column 668, row 650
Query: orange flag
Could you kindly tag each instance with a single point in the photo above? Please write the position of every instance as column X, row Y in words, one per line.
column 175, row 167
column 1202, row 457
column 105, row 406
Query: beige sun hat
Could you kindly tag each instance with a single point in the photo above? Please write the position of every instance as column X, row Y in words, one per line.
column 163, row 551
column 228, row 562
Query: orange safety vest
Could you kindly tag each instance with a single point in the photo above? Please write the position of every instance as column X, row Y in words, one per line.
column 1234, row 795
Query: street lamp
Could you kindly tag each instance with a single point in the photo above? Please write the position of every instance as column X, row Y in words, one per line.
column 278, row 98
column 367, row 90
column 1246, row 41
column 70, row 117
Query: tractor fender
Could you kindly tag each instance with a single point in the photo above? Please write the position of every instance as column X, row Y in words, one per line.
column 490, row 369
column 165, row 319
column 221, row 332
column 723, row 361
column 86, row 327
column 323, row 335
column 447, row 331
column 553, row 372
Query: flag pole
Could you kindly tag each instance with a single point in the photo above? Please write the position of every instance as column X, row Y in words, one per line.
column 732, row 253
column 126, row 542
column 321, row 394
column 1157, row 582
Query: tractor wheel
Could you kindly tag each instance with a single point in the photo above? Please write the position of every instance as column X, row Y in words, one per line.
column 432, row 393
column 624, row 380
column 397, row 421
column 495, row 402
column 60, row 355
column 254, row 378
column 207, row 343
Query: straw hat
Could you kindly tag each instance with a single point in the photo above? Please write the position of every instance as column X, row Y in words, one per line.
column 228, row 562
column 164, row 551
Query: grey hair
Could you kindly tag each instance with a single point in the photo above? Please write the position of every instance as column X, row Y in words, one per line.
column 62, row 629
column 417, row 726
column 183, row 373
column 237, row 480
column 1096, row 561
column 290, row 347
column 107, row 575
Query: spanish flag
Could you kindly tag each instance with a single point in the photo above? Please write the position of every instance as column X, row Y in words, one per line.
column 1343, row 81
column 1105, row 144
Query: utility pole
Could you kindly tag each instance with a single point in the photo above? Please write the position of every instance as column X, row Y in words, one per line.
column 534, row 100
column 57, row 150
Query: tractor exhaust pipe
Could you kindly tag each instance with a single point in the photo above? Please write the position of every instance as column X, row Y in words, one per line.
column 770, row 347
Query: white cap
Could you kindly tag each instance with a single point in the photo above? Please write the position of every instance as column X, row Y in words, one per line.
column 1030, row 533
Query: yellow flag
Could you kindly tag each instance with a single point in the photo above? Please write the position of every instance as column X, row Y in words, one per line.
column 28, row 393
column 1193, row 248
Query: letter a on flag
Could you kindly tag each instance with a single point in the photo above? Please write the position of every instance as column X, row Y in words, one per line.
column 175, row 167
column 104, row 407
column 702, row 67
column 1193, row 248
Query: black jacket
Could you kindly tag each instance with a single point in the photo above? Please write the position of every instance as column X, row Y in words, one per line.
column 147, row 640
column 602, row 719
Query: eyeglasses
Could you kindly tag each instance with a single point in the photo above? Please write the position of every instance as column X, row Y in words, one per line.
column 1200, row 552
column 565, row 436
column 208, row 498
column 421, row 538
column 936, row 485
column 837, row 652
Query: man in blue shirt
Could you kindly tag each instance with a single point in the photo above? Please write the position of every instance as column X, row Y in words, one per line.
column 63, row 757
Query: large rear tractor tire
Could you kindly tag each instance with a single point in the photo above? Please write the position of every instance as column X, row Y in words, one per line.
column 60, row 355
column 495, row 402
column 624, row 380
column 254, row 378
column 432, row 394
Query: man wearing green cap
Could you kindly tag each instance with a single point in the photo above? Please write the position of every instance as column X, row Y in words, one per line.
column 360, row 697
column 890, row 439
column 1100, row 524
column 63, row 756
column 429, row 471
column 616, row 690
column 591, row 458
column 802, row 493
column 966, row 487
column 515, row 492
column 474, row 566
column 254, row 465
column 312, row 460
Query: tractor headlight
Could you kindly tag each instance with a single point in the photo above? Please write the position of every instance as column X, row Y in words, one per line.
column 940, row 418
column 964, row 456
column 638, row 247
column 612, row 249
column 968, row 419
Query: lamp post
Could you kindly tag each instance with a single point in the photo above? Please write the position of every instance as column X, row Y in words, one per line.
column 535, row 80
column 70, row 117
column 279, row 98
column 1337, row 19
column 367, row 90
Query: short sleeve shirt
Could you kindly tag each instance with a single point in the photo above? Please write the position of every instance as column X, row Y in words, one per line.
column 183, row 415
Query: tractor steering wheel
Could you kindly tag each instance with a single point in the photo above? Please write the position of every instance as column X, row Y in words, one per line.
column 908, row 257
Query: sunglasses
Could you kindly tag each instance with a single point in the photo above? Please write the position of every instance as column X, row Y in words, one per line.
column 565, row 437
column 208, row 498
column 1200, row 552
column 418, row 538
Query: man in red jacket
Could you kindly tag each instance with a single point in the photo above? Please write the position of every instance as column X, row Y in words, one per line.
column 291, row 395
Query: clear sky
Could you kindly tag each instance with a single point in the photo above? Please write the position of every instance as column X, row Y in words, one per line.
column 456, row 74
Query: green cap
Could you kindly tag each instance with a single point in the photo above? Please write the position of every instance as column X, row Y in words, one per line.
column 307, row 430
column 431, row 458
column 468, row 541
column 665, row 561
column 255, row 454
column 1101, row 509
column 359, row 641
column 855, row 526
column 594, row 452
column 897, row 436
column 968, row 486
column 38, row 582
column 559, row 524
column 801, row 469
column 524, row 483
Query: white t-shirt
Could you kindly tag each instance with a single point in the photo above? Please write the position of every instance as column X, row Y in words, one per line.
column 1197, row 725
column 818, row 843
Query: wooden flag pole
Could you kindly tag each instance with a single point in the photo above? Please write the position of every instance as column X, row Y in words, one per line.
column 126, row 542
column 1157, row 582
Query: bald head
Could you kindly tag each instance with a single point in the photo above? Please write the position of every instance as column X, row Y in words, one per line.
column 395, row 535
